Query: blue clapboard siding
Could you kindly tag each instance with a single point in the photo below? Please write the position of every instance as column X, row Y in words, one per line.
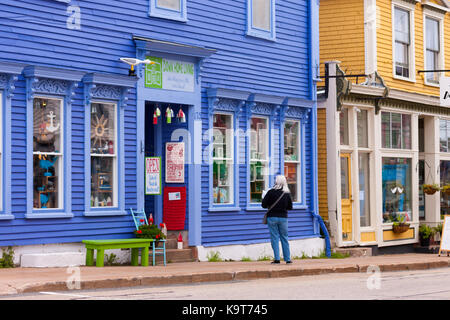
column 34, row 32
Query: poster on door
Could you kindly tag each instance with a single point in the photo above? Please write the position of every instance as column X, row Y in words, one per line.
column 152, row 175
column 175, row 162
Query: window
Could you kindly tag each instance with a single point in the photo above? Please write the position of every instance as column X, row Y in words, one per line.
column 292, row 168
column 103, row 155
column 363, row 127
column 47, row 153
column 396, row 184
column 344, row 126
column 402, row 36
column 445, row 180
column 364, row 189
column 169, row 9
column 223, row 156
column 444, row 133
column 396, row 130
column 259, row 157
column 261, row 18
column 432, row 47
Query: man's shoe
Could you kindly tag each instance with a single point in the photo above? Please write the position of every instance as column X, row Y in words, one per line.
column 275, row 262
column 288, row 262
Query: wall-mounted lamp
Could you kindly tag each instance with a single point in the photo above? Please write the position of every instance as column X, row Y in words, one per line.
column 134, row 62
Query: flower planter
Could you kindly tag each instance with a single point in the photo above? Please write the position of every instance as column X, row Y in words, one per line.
column 400, row 228
column 424, row 242
column 429, row 189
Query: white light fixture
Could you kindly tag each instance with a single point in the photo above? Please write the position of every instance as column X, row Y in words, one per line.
column 134, row 62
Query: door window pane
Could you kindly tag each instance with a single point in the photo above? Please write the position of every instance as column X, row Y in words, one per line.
column 363, row 135
column 103, row 155
column 47, row 153
column 345, row 187
column 259, row 138
column 223, row 158
column 396, row 184
column 421, row 193
column 364, row 189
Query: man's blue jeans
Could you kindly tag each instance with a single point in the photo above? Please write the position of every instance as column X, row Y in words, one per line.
column 278, row 228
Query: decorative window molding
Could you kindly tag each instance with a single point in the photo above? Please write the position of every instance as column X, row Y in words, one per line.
column 44, row 82
column 227, row 102
column 168, row 9
column 107, row 89
column 9, row 73
column 262, row 26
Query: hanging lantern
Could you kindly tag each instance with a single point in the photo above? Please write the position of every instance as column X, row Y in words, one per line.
column 181, row 116
column 169, row 115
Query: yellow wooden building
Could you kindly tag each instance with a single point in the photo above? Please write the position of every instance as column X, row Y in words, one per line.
column 382, row 131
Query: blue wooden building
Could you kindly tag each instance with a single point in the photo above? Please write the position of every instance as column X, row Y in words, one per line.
column 234, row 81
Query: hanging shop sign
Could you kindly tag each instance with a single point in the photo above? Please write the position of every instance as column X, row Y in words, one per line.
column 444, row 84
column 170, row 75
column 175, row 162
column 152, row 175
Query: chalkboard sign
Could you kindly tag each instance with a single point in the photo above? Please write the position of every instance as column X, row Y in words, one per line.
column 445, row 239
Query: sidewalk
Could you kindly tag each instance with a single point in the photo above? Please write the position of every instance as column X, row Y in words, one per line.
column 23, row 280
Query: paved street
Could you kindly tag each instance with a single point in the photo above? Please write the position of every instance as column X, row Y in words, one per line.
column 402, row 285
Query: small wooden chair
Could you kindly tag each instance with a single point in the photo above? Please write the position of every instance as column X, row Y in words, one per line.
column 140, row 218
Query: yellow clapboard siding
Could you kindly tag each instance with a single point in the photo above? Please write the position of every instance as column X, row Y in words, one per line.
column 389, row 235
column 385, row 47
column 322, row 163
column 368, row 237
column 342, row 34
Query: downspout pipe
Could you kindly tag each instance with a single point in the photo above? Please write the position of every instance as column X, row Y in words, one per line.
column 314, row 77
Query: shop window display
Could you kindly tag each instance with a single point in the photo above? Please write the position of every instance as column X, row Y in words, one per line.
column 222, row 158
column 396, row 184
column 445, row 181
column 47, row 153
column 292, row 157
column 103, row 155
column 258, row 158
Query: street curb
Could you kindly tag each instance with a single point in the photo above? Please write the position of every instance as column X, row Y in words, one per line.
column 222, row 277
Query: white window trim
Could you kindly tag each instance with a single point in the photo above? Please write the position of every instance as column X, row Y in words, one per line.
column 115, row 172
column 60, row 154
column 412, row 61
column 266, row 160
column 227, row 160
column 441, row 58
column 299, row 159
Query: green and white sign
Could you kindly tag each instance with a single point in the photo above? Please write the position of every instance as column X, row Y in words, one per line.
column 170, row 75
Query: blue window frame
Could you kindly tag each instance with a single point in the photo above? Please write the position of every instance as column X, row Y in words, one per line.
column 8, row 76
column 169, row 9
column 56, row 85
column 261, row 19
column 106, row 97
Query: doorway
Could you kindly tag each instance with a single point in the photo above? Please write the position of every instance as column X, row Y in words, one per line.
column 346, row 197
column 164, row 123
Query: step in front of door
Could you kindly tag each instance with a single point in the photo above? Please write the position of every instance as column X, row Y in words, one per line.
column 174, row 256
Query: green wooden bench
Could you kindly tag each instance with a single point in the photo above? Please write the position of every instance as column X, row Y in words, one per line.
column 102, row 245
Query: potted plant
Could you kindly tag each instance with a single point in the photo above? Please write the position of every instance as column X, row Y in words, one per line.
column 425, row 233
column 446, row 189
column 399, row 225
column 431, row 188
column 150, row 231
